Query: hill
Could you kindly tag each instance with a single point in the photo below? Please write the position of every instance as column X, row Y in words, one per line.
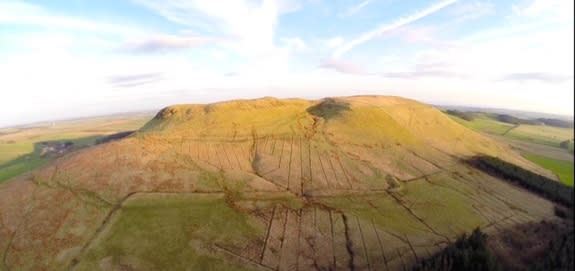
column 363, row 183
column 515, row 113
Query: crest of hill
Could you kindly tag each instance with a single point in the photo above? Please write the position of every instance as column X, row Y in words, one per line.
column 346, row 122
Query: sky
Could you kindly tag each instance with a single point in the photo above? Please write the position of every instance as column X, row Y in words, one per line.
column 74, row 58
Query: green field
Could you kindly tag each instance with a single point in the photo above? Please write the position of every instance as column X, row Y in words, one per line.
column 181, row 227
column 18, row 146
column 563, row 169
column 540, row 144
column 541, row 134
column 541, row 140
column 485, row 124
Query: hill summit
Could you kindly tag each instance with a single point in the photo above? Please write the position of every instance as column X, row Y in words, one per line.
column 364, row 183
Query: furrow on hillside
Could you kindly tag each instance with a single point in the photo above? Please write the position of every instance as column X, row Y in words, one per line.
column 241, row 258
column 289, row 175
column 289, row 251
column 325, row 178
column 342, row 168
column 281, row 153
column 380, row 245
column 348, row 243
column 237, row 160
column 365, row 250
column 411, row 248
column 332, row 243
column 308, row 257
column 323, row 240
column 268, row 231
column 29, row 207
column 272, row 250
column 337, row 180
column 417, row 217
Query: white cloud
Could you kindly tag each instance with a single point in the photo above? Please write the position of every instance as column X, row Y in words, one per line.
column 75, row 72
column 343, row 66
column 334, row 42
column 554, row 10
column 250, row 24
column 536, row 76
column 295, row 43
column 357, row 8
column 388, row 27
column 466, row 11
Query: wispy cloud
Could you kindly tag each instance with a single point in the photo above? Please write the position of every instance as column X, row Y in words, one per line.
column 466, row 11
column 22, row 13
column 536, row 76
column 133, row 80
column 422, row 73
column 231, row 74
column 294, row 43
column 413, row 33
column 164, row 43
column 357, row 8
column 342, row 66
column 388, row 27
column 427, row 69
column 549, row 10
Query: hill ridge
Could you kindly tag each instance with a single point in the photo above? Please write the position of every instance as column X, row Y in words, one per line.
column 267, row 182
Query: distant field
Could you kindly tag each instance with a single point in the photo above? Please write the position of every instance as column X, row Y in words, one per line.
column 485, row 124
column 17, row 145
column 541, row 140
column 547, row 135
column 563, row 169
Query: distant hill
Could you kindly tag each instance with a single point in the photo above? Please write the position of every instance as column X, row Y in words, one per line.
column 515, row 113
column 556, row 122
column 470, row 114
column 353, row 183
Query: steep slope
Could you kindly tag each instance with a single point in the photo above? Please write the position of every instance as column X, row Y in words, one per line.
column 347, row 183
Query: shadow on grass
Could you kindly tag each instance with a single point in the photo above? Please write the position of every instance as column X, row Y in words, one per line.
column 329, row 108
column 44, row 151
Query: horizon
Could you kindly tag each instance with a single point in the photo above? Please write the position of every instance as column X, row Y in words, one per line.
column 154, row 111
column 65, row 60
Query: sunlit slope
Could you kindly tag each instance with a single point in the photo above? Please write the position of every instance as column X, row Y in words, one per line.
column 408, row 135
column 363, row 183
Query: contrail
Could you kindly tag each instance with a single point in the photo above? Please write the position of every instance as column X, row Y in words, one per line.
column 387, row 27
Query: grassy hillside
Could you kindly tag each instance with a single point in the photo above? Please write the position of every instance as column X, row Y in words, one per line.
column 364, row 183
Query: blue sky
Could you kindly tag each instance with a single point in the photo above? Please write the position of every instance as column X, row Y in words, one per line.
column 72, row 58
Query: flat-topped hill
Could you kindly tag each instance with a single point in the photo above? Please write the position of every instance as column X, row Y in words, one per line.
column 363, row 183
